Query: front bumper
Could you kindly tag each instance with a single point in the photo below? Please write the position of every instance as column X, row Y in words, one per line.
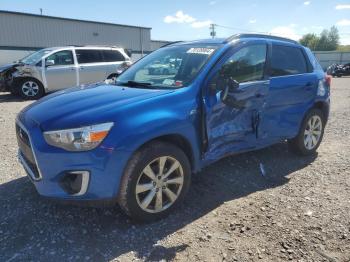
column 3, row 86
column 104, row 165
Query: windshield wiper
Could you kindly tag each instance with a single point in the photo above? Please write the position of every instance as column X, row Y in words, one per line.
column 131, row 83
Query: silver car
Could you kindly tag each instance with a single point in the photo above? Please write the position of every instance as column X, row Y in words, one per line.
column 53, row 69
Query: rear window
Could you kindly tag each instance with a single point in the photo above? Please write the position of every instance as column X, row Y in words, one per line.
column 287, row 60
column 86, row 56
column 313, row 60
column 112, row 56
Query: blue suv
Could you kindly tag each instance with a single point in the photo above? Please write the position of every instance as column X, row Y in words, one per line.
column 137, row 141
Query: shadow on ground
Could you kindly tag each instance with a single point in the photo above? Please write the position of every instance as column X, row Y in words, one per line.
column 8, row 97
column 32, row 228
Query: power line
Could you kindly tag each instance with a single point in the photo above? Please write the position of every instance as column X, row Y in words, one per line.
column 241, row 29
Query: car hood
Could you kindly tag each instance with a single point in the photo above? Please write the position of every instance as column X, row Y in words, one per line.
column 6, row 67
column 87, row 105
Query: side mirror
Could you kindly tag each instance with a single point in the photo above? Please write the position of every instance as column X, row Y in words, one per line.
column 49, row 63
column 227, row 95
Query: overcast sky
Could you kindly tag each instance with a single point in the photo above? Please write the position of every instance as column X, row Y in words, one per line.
column 190, row 19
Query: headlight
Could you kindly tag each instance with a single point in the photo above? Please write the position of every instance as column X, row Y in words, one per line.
column 78, row 139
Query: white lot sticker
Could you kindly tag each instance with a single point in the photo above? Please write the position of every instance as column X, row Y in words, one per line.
column 168, row 82
column 198, row 50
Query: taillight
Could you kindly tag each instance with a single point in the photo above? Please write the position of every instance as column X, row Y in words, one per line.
column 328, row 80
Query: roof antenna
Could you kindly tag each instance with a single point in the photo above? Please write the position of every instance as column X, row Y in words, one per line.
column 41, row 11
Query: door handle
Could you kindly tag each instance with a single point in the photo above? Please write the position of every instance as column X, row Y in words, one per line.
column 81, row 68
column 258, row 95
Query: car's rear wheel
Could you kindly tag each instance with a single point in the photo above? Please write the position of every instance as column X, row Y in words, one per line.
column 30, row 88
column 155, row 181
column 310, row 135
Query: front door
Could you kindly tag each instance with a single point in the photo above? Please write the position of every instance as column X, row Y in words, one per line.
column 60, row 70
column 235, row 128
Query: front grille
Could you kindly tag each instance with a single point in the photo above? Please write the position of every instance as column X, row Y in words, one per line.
column 26, row 150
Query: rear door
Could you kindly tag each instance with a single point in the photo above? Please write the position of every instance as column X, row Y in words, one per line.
column 232, row 129
column 91, row 66
column 293, row 87
column 61, row 73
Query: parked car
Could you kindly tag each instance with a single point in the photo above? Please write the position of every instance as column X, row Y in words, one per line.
column 53, row 69
column 167, row 66
column 336, row 70
column 138, row 141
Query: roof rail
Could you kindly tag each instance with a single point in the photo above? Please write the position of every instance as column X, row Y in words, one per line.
column 238, row 36
column 171, row 43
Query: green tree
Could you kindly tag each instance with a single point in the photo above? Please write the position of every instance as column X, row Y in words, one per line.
column 310, row 40
column 334, row 38
column 328, row 40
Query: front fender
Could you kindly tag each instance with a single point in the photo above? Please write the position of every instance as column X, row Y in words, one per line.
column 144, row 127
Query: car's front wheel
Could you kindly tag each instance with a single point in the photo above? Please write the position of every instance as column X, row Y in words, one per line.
column 155, row 181
column 310, row 135
column 30, row 88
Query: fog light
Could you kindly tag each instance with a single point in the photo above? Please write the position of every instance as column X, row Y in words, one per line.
column 75, row 182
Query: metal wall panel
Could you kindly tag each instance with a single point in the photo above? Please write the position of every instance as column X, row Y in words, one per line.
column 326, row 58
column 22, row 30
column 156, row 44
column 9, row 56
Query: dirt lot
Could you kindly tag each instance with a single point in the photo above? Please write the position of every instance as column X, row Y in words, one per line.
column 299, row 211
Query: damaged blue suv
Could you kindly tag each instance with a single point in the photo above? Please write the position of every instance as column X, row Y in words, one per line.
column 137, row 141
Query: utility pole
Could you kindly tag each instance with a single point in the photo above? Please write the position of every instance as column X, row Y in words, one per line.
column 212, row 30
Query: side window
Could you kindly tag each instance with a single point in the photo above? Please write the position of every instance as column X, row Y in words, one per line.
column 247, row 64
column 315, row 64
column 61, row 58
column 287, row 60
column 86, row 56
column 112, row 56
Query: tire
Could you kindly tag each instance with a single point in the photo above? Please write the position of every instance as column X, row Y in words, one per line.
column 30, row 88
column 143, row 206
column 14, row 91
column 306, row 143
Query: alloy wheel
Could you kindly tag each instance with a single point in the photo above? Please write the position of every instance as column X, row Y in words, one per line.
column 159, row 184
column 313, row 132
column 30, row 88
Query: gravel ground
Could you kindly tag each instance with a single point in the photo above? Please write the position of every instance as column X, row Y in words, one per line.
column 300, row 211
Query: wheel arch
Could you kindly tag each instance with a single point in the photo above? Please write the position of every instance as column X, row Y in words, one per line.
column 177, row 140
column 19, row 79
column 324, row 107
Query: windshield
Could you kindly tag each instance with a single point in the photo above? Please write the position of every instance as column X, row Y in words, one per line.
column 169, row 67
column 35, row 57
